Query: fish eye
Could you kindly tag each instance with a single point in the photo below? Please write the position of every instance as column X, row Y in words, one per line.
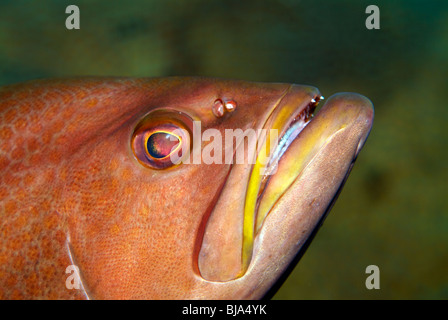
column 162, row 139
column 161, row 144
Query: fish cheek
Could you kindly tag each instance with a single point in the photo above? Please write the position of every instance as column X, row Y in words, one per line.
column 98, row 196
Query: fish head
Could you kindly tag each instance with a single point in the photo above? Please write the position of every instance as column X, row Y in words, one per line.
column 174, row 188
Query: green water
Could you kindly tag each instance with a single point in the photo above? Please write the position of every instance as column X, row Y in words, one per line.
column 393, row 211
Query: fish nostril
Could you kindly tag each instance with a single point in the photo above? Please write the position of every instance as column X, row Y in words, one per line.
column 230, row 105
column 218, row 108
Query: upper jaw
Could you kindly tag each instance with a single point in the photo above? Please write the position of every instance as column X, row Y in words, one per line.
column 344, row 114
column 292, row 127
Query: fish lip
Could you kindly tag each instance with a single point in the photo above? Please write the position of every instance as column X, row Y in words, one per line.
column 356, row 111
column 304, row 114
column 295, row 104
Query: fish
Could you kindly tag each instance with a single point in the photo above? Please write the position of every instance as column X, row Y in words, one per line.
column 166, row 188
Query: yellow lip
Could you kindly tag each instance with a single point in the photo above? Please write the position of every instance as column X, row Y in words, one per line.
column 348, row 112
column 297, row 100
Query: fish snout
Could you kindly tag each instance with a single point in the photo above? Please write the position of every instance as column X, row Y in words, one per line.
column 308, row 164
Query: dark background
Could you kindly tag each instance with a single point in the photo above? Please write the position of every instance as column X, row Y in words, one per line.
column 393, row 211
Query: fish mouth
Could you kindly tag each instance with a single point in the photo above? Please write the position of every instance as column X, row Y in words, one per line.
column 292, row 128
column 290, row 184
column 289, row 117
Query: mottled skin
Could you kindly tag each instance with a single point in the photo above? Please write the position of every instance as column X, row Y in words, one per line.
column 70, row 185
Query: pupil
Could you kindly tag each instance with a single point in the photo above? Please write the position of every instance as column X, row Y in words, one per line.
column 161, row 144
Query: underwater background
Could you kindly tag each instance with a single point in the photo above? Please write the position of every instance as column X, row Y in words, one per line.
column 393, row 210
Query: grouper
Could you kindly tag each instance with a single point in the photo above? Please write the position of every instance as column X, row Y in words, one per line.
column 129, row 188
